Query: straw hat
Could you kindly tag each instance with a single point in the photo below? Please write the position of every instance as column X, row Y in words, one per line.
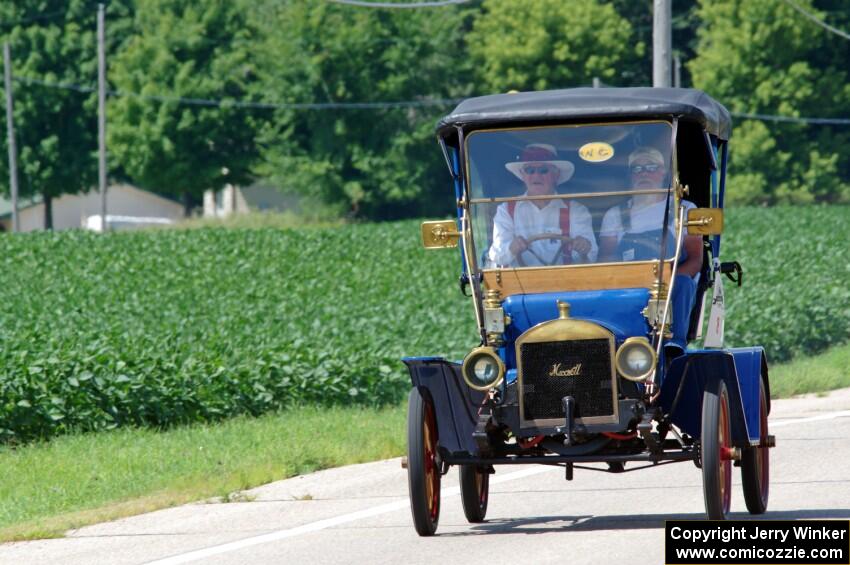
column 541, row 153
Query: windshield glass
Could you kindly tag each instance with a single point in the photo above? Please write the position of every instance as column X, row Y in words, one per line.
column 611, row 181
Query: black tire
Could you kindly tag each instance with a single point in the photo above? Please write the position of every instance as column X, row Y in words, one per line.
column 423, row 475
column 715, row 445
column 755, row 464
column 474, row 492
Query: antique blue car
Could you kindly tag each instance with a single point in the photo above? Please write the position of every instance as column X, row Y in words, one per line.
column 589, row 224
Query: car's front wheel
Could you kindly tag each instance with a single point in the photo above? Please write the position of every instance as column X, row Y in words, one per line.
column 474, row 491
column 716, row 450
column 423, row 473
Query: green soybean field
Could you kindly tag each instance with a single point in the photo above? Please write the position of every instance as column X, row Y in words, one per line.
column 167, row 327
column 795, row 297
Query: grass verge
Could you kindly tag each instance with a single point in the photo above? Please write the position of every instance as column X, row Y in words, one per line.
column 820, row 373
column 46, row 489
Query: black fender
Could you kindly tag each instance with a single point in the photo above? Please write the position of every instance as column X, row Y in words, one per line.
column 456, row 406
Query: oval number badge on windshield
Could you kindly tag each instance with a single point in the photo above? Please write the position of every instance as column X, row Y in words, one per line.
column 596, row 152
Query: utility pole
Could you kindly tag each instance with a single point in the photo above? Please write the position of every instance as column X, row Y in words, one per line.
column 662, row 42
column 10, row 131
column 677, row 71
column 101, row 115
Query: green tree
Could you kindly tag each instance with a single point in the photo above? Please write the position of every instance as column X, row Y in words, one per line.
column 54, row 42
column 553, row 44
column 378, row 163
column 190, row 50
column 763, row 57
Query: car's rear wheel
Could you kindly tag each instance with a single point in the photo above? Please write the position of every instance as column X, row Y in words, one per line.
column 716, row 450
column 474, row 491
column 755, row 464
column 423, row 474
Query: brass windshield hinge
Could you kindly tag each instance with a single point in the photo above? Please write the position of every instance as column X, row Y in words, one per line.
column 682, row 190
column 440, row 234
column 705, row 221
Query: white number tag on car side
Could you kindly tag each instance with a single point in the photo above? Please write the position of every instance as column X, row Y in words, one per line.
column 714, row 331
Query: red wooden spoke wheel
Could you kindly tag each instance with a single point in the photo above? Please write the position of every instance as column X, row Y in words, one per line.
column 716, row 450
column 755, row 464
column 423, row 473
column 474, row 491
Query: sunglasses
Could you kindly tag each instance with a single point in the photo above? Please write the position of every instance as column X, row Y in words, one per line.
column 542, row 169
column 648, row 168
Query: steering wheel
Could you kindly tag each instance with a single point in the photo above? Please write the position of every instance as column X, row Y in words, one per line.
column 565, row 242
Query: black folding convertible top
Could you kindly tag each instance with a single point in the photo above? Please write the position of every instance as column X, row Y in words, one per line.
column 590, row 103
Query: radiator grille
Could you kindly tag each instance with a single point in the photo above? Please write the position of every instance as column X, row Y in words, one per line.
column 590, row 384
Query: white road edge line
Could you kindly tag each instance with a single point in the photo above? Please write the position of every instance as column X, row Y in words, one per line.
column 330, row 522
column 394, row 506
column 828, row 416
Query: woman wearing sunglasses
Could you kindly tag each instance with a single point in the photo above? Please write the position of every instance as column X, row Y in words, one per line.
column 518, row 225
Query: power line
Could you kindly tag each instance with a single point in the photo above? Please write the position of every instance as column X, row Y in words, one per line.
column 244, row 104
column 55, row 85
column 399, row 5
column 34, row 18
column 67, row 14
column 285, row 105
column 210, row 102
column 818, row 21
column 39, row 17
column 791, row 119
column 786, row 119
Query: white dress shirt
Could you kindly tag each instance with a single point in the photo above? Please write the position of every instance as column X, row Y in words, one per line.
column 529, row 220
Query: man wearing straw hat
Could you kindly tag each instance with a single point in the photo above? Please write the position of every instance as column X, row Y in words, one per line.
column 517, row 222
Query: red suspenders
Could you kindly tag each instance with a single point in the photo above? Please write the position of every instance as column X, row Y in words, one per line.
column 565, row 230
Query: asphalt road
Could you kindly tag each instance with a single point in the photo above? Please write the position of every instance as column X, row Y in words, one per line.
column 360, row 514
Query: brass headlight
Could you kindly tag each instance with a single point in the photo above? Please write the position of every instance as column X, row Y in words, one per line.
column 635, row 359
column 483, row 369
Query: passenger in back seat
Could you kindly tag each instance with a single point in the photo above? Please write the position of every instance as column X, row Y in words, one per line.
column 632, row 232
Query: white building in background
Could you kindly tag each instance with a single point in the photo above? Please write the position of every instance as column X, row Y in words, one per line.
column 83, row 210
column 239, row 200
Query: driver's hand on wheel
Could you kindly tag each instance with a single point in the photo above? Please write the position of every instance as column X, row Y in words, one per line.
column 581, row 246
column 518, row 245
